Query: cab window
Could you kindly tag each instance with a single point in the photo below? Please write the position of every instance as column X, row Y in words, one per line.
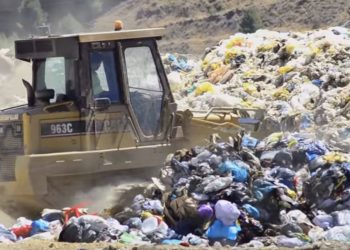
column 145, row 88
column 56, row 73
column 104, row 76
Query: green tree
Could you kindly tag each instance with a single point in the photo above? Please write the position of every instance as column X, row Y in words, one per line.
column 250, row 22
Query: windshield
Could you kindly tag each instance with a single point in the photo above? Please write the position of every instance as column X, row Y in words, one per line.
column 56, row 73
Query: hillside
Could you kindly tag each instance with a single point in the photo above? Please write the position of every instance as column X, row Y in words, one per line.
column 193, row 25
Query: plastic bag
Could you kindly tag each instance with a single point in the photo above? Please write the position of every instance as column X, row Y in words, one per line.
column 283, row 241
column 249, row 88
column 235, row 41
column 249, row 142
column 239, row 172
column 22, row 231
column 341, row 233
column 205, row 87
column 39, row 226
column 226, row 212
column 285, row 69
column 341, row 218
column 220, row 231
column 324, row 221
column 217, row 184
column 252, row 211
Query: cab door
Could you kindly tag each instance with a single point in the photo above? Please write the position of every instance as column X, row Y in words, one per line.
column 148, row 94
column 109, row 118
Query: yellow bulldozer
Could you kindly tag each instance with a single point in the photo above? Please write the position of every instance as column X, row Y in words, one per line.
column 99, row 110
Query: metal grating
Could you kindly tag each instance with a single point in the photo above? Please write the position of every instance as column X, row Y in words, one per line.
column 7, row 167
column 11, row 146
column 11, row 142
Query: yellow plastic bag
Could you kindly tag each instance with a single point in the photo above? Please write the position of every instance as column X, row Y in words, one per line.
column 290, row 48
column 267, row 46
column 231, row 54
column 333, row 157
column 249, row 73
column 249, row 88
column 205, row 87
column 285, row 69
column 292, row 143
column 275, row 137
column 314, row 50
column 291, row 194
column 247, row 104
column 281, row 94
column 215, row 66
column 235, row 41
column 347, row 99
column 145, row 215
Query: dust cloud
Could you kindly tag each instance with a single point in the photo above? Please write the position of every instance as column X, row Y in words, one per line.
column 12, row 72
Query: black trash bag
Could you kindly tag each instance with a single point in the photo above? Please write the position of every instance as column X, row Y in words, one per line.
column 83, row 232
column 71, row 233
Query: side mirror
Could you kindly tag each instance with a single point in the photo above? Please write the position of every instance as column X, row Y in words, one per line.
column 101, row 104
column 45, row 95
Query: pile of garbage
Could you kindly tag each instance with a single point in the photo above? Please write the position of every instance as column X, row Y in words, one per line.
column 288, row 190
column 301, row 79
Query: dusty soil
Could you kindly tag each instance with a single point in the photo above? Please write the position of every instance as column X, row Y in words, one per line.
column 45, row 245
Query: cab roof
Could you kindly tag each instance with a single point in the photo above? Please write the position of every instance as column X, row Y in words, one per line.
column 121, row 35
column 68, row 45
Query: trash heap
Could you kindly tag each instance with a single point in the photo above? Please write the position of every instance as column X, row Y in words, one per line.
column 301, row 79
column 288, row 190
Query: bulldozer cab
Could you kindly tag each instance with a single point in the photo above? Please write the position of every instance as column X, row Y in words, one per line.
column 96, row 91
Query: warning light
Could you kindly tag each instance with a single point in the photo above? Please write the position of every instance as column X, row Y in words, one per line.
column 118, row 25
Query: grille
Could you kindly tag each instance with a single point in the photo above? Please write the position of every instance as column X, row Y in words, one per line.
column 10, row 147
column 7, row 167
column 9, row 141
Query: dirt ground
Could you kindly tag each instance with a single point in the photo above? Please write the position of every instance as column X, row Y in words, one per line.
column 47, row 245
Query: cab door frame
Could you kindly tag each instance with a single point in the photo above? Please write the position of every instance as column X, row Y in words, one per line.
column 166, row 115
column 100, row 123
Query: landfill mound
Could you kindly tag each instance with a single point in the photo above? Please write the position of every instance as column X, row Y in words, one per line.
column 301, row 79
column 288, row 190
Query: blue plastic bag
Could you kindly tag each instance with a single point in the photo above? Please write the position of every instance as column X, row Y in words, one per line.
column 262, row 187
column 252, row 211
column 219, row 231
column 39, row 226
column 317, row 82
column 249, row 142
column 238, row 170
column 313, row 149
